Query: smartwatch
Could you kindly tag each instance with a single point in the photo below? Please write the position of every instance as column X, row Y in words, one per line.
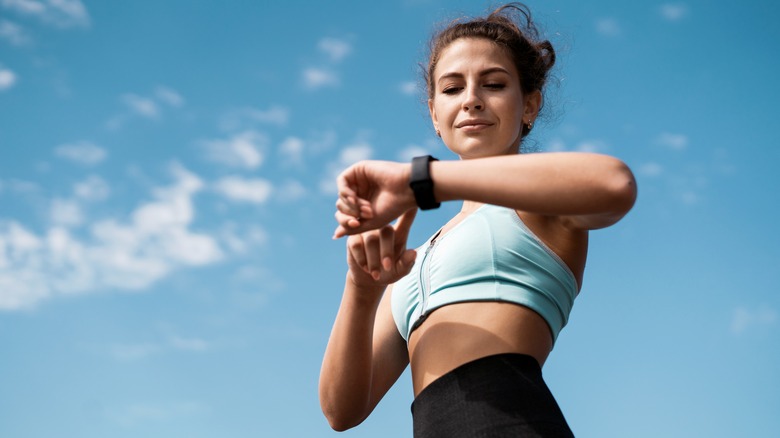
column 421, row 183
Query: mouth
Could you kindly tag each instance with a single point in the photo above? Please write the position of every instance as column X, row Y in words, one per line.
column 473, row 125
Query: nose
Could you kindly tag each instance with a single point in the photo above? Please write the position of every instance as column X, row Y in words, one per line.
column 473, row 100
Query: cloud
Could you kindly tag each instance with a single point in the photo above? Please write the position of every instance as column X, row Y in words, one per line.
column 126, row 352
column 82, row 152
column 608, row 27
column 314, row 78
column 131, row 254
column 94, row 188
column 143, row 106
column 336, row 49
column 169, row 96
column 252, row 190
column 348, row 156
column 744, row 319
column 66, row 212
column 188, row 344
column 650, row 169
column 408, row 88
column 13, row 33
column 291, row 151
column 246, row 118
column 242, row 240
column 290, row 190
column 673, row 141
column 59, row 13
column 7, row 78
column 674, row 11
column 411, row 151
column 240, row 150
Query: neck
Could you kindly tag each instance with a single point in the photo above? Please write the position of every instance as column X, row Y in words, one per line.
column 468, row 207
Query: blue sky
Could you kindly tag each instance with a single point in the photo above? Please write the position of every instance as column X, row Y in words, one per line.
column 167, row 190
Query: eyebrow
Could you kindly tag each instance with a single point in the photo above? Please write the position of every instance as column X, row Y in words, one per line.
column 485, row 72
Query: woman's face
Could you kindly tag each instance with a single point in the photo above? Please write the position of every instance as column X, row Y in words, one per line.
column 477, row 105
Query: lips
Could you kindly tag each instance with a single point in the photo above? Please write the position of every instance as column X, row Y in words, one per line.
column 473, row 124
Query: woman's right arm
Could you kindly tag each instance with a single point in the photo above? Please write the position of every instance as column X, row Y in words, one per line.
column 365, row 354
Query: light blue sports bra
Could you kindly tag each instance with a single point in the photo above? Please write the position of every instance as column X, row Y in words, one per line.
column 490, row 256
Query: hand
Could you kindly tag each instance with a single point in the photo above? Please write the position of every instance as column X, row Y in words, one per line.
column 371, row 195
column 379, row 257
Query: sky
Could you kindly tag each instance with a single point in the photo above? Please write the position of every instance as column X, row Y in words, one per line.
column 167, row 180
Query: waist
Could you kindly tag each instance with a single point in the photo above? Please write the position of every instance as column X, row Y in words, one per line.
column 460, row 333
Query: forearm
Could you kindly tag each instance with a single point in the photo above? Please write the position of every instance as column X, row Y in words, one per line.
column 558, row 184
column 345, row 378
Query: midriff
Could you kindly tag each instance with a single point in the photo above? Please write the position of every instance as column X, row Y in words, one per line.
column 462, row 332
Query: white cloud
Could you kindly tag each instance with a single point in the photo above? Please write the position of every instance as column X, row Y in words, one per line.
column 314, row 78
column 59, row 13
column 674, row 11
column 336, row 49
column 126, row 352
column 240, row 150
column 253, row 190
column 82, row 152
column 188, row 344
column 66, row 212
column 241, row 240
column 142, row 106
column 7, row 78
column 411, row 151
column 245, row 118
column 409, row 88
column 94, row 188
column 13, row 33
column 744, row 319
column 127, row 254
column 290, row 191
column 650, row 169
column 608, row 27
column 591, row 146
column 348, row 156
column 291, row 150
column 673, row 141
column 169, row 96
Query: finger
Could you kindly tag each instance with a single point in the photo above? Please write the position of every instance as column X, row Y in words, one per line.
column 402, row 227
column 347, row 208
column 357, row 251
column 346, row 220
column 344, row 184
column 386, row 247
column 373, row 262
column 406, row 262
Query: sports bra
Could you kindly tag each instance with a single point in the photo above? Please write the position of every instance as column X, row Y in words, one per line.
column 491, row 255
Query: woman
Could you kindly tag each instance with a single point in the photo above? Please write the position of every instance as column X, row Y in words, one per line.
column 476, row 309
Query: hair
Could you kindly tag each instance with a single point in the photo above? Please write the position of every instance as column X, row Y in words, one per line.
column 511, row 27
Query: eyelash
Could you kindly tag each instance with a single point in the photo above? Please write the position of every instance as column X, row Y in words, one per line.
column 492, row 86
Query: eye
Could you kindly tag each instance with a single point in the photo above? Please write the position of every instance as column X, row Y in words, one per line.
column 495, row 86
column 451, row 90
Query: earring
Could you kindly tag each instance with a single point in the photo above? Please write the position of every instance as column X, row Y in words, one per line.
column 530, row 125
column 438, row 133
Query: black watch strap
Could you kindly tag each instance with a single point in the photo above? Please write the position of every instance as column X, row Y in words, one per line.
column 421, row 183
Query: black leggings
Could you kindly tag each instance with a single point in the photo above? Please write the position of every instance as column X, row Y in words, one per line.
column 492, row 397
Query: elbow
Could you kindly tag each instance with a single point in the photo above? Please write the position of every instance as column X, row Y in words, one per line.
column 340, row 422
column 622, row 188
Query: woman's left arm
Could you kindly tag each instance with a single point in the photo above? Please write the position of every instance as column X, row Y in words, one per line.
column 587, row 191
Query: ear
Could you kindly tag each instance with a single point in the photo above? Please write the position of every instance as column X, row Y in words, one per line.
column 531, row 106
column 434, row 118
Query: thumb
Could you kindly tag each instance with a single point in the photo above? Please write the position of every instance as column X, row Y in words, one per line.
column 406, row 261
column 403, row 226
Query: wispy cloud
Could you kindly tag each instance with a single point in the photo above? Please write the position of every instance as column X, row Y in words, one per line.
column 149, row 107
column 248, row 118
column 744, row 319
column 314, row 78
column 14, row 33
column 93, row 188
column 66, row 212
column 673, row 141
column 336, row 49
column 291, row 151
column 252, row 190
column 650, row 169
column 142, row 106
column 608, row 27
column 408, row 88
column 348, row 156
column 406, row 154
column 59, row 13
column 242, row 150
column 7, row 78
column 169, row 96
column 290, row 191
column 82, row 152
column 674, row 11
column 128, row 254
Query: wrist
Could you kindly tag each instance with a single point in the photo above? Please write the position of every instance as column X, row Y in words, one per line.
column 421, row 183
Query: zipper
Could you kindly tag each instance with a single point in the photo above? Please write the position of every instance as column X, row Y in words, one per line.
column 425, row 281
